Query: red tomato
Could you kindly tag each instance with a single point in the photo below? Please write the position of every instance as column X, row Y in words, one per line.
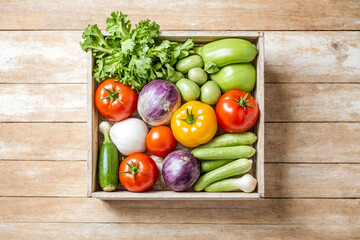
column 115, row 101
column 138, row 172
column 160, row 141
column 236, row 111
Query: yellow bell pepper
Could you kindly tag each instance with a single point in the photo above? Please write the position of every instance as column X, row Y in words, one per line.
column 194, row 123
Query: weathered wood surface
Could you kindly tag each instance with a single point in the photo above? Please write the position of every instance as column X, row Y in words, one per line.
column 43, row 141
column 110, row 231
column 186, row 15
column 283, row 102
column 268, row 211
column 32, row 56
column 42, row 102
column 312, row 142
column 68, row 178
column 312, row 136
column 284, row 142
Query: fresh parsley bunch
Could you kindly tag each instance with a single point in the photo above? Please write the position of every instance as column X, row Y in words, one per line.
column 133, row 56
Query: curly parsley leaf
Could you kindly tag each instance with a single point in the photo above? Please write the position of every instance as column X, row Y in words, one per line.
column 132, row 55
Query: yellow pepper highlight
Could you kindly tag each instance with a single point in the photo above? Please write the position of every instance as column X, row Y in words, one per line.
column 194, row 123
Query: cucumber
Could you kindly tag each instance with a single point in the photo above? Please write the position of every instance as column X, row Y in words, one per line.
column 232, row 169
column 231, row 139
column 219, row 153
column 185, row 64
column 207, row 166
column 108, row 161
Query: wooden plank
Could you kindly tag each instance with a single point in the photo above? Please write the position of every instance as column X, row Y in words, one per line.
column 42, row 178
column 68, row 178
column 312, row 180
column 31, row 57
column 283, row 102
column 312, row 142
column 312, row 102
column 193, row 15
column 43, row 141
column 42, row 102
column 92, row 126
column 41, row 57
column 284, row 142
column 268, row 211
column 312, row 57
column 171, row 195
column 259, row 127
column 111, row 231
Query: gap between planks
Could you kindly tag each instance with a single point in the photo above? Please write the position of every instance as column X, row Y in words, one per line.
column 229, row 30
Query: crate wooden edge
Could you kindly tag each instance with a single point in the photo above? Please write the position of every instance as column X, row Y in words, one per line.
column 170, row 195
column 260, row 90
column 92, row 118
column 92, row 134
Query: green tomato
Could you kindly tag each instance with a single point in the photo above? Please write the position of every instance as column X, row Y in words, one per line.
column 197, row 75
column 185, row 64
column 210, row 93
column 188, row 89
column 240, row 76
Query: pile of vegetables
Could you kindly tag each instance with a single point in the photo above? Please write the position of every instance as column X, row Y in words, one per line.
column 185, row 97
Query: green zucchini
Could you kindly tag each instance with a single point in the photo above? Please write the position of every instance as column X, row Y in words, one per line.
column 108, row 161
column 231, row 169
column 219, row 153
column 231, row 139
column 207, row 166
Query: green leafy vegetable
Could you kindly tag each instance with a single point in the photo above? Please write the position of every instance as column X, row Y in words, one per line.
column 211, row 67
column 132, row 56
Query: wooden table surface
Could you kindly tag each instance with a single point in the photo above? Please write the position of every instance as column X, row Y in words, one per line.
column 312, row 135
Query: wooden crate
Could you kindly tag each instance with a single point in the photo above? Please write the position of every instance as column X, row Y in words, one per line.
column 199, row 37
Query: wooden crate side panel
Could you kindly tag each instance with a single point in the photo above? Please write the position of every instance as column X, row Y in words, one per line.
column 92, row 121
column 260, row 125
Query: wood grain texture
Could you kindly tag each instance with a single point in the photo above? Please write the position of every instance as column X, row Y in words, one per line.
column 283, row 102
column 189, row 15
column 32, row 56
column 273, row 211
column 42, row 103
column 312, row 142
column 312, row 180
column 110, row 231
column 40, row 178
column 68, row 178
column 312, row 102
column 312, row 57
column 41, row 57
column 43, row 141
column 284, row 142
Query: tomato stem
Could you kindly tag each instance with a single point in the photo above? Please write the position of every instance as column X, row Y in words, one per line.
column 112, row 95
column 134, row 169
column 190, row 117
column 243, row 102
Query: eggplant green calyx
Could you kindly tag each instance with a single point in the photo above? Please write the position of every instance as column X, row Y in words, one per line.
column 243, row 102
column 134, row 169
column 190, row 117
column 112, row 95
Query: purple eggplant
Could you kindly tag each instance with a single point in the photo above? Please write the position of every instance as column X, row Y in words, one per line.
column 158, row 100
column 180, row 170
